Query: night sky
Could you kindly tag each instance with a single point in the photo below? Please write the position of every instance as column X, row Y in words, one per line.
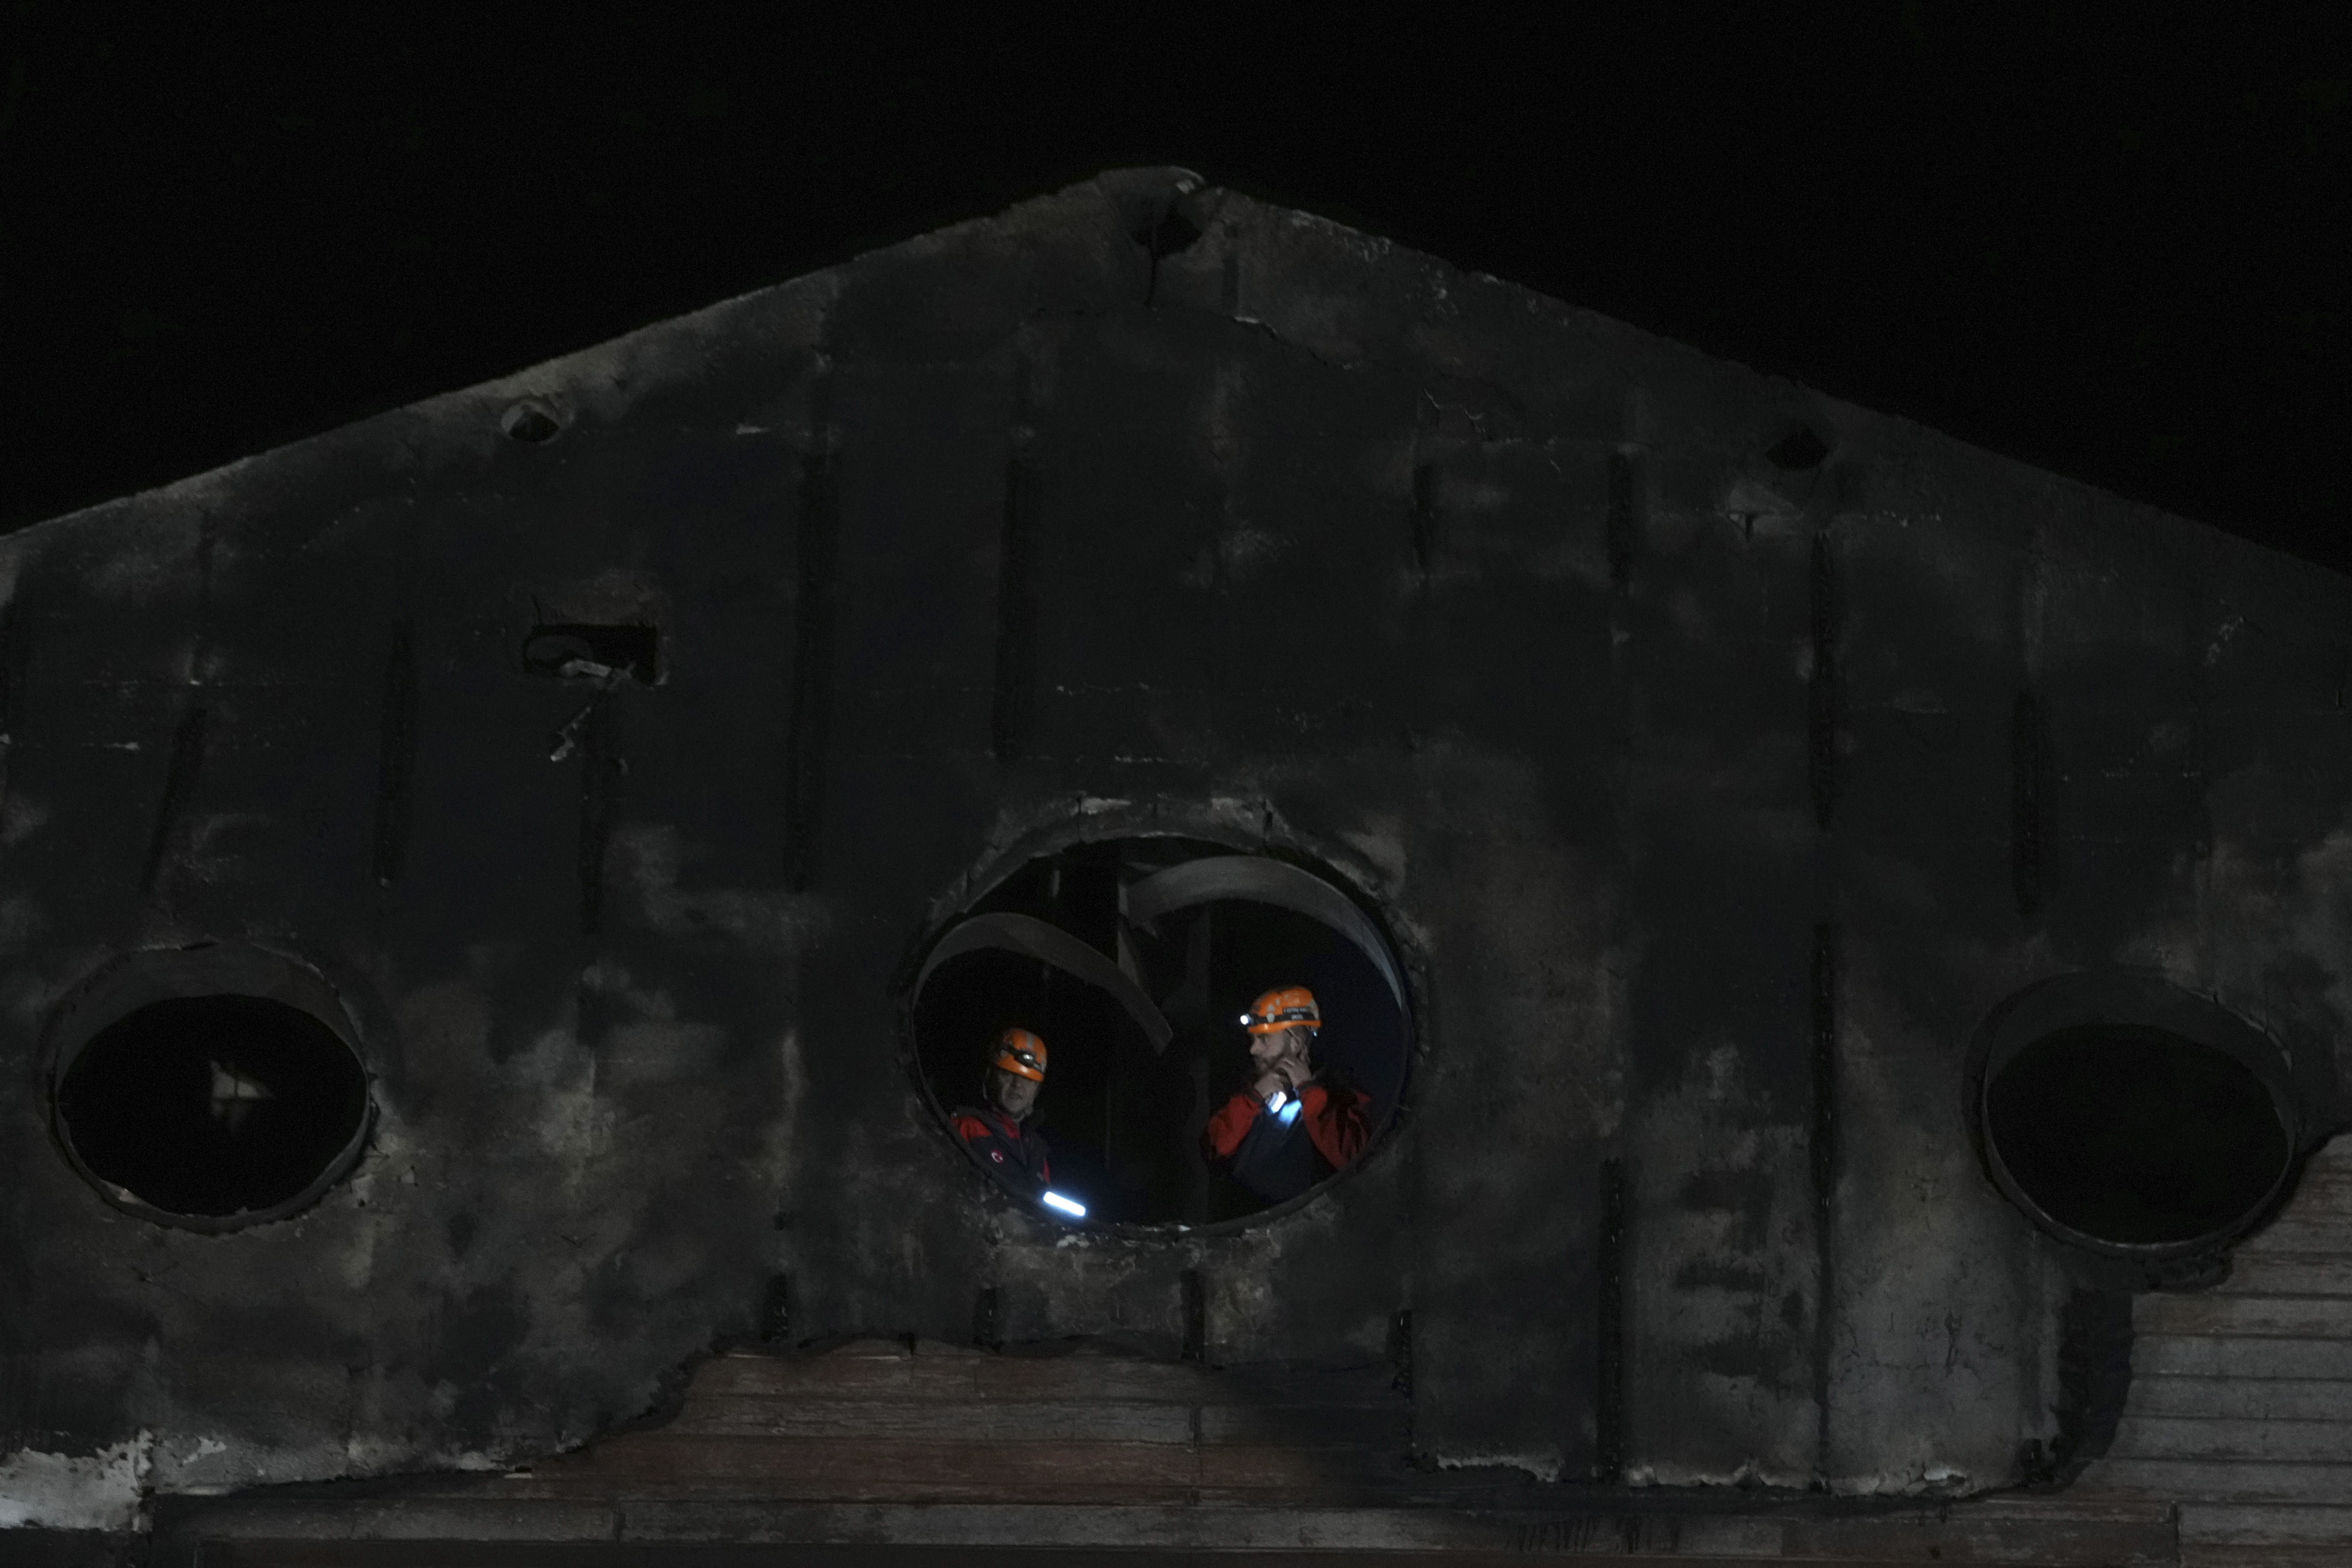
column 2111, row 241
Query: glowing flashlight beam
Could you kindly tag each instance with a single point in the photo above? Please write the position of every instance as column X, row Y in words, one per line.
column 1070, row 1206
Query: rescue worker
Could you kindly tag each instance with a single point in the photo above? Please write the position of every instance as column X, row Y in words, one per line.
column 994, row 1134
column 1291, row 1126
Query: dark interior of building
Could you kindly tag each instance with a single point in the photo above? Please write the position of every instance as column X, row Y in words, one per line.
column 1125, row 1120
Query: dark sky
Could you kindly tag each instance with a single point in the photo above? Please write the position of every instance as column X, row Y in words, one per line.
column 2109, row 240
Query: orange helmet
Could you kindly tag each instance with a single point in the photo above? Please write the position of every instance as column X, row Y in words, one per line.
column 1021, row 1054
column 1282, row 1007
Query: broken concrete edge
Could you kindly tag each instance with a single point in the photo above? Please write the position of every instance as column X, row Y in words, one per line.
column 108, row 1494
column 104, row 1491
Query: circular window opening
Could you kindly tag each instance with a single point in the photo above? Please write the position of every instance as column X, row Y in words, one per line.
column 188, row 1101
column 2135, row 1135
column 1132, row 962
column 2129, row 1116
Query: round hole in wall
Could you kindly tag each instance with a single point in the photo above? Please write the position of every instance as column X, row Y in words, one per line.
column 1133, row 959
column 2128, row 1116
column 2135, row 1135
column 531, row 422
column 212, row 1088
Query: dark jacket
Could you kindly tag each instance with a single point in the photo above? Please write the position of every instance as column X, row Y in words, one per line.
column 1281, row 1156
column 1007, row 1151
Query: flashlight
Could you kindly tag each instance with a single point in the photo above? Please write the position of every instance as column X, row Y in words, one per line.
column 1275, row 1101
column 1070, row 1206
column 1287, row 1114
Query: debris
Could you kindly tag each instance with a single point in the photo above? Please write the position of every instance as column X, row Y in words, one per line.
column 567, row 739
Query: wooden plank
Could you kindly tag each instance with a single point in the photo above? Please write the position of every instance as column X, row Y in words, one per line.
column 2321, row 1525
column 1963, row 1536
column 1309, row 1426
column 795, row 1468
column 2335, row 1156
column 2287, row 1274
column 2301, row 1230
column 2071, row 1528
column 2079, row 1505
column 2324, row 1194
column 947, row 1534
column 412, row 1519
column 933, row 1421
column 1060, row 1420
column 852, row 1470
column 2245, row 1399
column 2289, row 1317
column 1042, row 1379
column 2203, row 1357
column 1067, row 1527
column 695, row 1483
column 2218, row 1480
column 611, row 1554
column 2210, row 1438
column 2128, row 1531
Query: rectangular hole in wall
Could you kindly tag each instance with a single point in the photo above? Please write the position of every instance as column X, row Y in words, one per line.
column 579, row 651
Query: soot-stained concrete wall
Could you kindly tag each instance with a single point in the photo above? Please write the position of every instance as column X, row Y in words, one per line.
column 1713, row 799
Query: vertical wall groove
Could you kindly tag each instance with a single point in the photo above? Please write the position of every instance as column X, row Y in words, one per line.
column 8, row 666
column 1823, row 1148
column 1400, row 1370
column 179, row 781
column 395, row 755
column 2025, row 803
column 814, row 541
column 188, row 738
column 1821, row 707
column 8, row 690
column 1010, row 718
column 601, row 767
column 776, row 1311
column 986, row 1316
column 1608, row 1328
column 1425, row 517
column 1625, row 522
column 200, row 647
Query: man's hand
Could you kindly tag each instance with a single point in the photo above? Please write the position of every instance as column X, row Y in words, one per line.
column 1285, row 1075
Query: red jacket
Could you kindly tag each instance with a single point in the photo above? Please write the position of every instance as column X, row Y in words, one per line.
column 1013, row 1153
column 1336, row 1125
